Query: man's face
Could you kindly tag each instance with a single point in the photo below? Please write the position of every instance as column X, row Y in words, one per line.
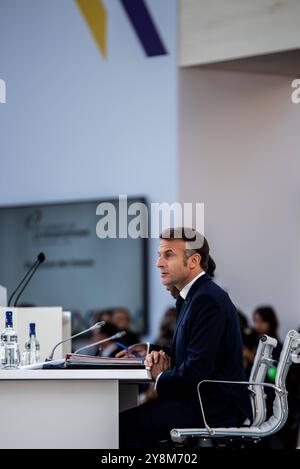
column 171, row 262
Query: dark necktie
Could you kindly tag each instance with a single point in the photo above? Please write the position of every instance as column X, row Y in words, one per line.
column 179, row 303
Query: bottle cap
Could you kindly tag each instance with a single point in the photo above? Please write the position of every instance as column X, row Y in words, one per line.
column 9, row 319
column 31, row 328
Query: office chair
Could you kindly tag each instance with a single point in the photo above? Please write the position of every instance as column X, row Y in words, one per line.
column 260, row 427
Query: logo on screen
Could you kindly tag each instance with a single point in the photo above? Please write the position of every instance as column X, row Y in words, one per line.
column 33, row 219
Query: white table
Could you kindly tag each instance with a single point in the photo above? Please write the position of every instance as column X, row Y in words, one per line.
column 65, row 408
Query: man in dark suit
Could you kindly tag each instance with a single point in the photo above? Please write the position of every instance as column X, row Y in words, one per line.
column 206, row 345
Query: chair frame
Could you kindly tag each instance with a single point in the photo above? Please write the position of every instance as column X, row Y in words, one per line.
column 260, row 427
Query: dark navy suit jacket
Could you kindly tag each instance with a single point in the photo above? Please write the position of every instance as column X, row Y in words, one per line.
column 207, row 345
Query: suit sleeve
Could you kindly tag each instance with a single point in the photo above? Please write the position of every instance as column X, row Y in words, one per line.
column 205, row 330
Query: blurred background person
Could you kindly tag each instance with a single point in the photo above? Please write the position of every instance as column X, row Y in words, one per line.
column 250, row 342
column 97, row 315
column 103, row 315
column 109, row 348
column 122, row 319
column 167, row 328
column 81, row 322
column 265, row 321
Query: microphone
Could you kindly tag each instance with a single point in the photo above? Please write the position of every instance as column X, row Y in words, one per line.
column 118, row 335
column 95, row 326
column 40, row 258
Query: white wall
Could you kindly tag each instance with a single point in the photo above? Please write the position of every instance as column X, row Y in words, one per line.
column 76, row 126
column 240, row 155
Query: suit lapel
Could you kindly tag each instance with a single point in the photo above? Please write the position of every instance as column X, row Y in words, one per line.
column 200, row 281
column 184, row 307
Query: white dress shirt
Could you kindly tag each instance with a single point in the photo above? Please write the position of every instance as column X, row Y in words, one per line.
column 183, row 293
column 186, row 289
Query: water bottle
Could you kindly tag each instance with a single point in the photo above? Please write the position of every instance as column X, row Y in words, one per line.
column 10, row 354
column 31, row 353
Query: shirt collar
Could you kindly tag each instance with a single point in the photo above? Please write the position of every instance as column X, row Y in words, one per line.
column 186, row 289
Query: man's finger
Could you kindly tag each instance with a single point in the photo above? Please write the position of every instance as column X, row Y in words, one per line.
column 149, row 359
column 155, row 357
column 140, row 348
column 147, row 363
column 121, row 354
column 164, row 356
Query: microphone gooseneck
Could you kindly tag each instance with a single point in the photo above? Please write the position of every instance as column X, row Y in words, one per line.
column 98, row 325
column 40, row 258
column 118, row 335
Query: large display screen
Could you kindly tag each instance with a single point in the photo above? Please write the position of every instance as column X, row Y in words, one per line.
column 82, row 273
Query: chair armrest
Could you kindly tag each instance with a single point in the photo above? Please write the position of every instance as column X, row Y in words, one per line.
column 252, row 383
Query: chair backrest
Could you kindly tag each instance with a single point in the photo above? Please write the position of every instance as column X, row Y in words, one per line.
column 290, row 354
column 262, row 361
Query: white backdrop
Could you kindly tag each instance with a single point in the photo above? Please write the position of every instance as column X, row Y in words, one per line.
column 78, row 126
column 240, row 155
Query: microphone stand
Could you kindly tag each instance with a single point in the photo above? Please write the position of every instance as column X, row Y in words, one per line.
column 26, row 283
column 113, row 337
column 95, row 326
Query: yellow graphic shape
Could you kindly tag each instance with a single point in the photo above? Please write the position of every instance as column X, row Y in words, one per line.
column 95, row 15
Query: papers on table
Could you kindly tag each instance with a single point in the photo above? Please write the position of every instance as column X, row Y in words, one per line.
column 74, row 359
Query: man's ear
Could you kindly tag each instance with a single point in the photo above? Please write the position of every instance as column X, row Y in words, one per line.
column 195, row 260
